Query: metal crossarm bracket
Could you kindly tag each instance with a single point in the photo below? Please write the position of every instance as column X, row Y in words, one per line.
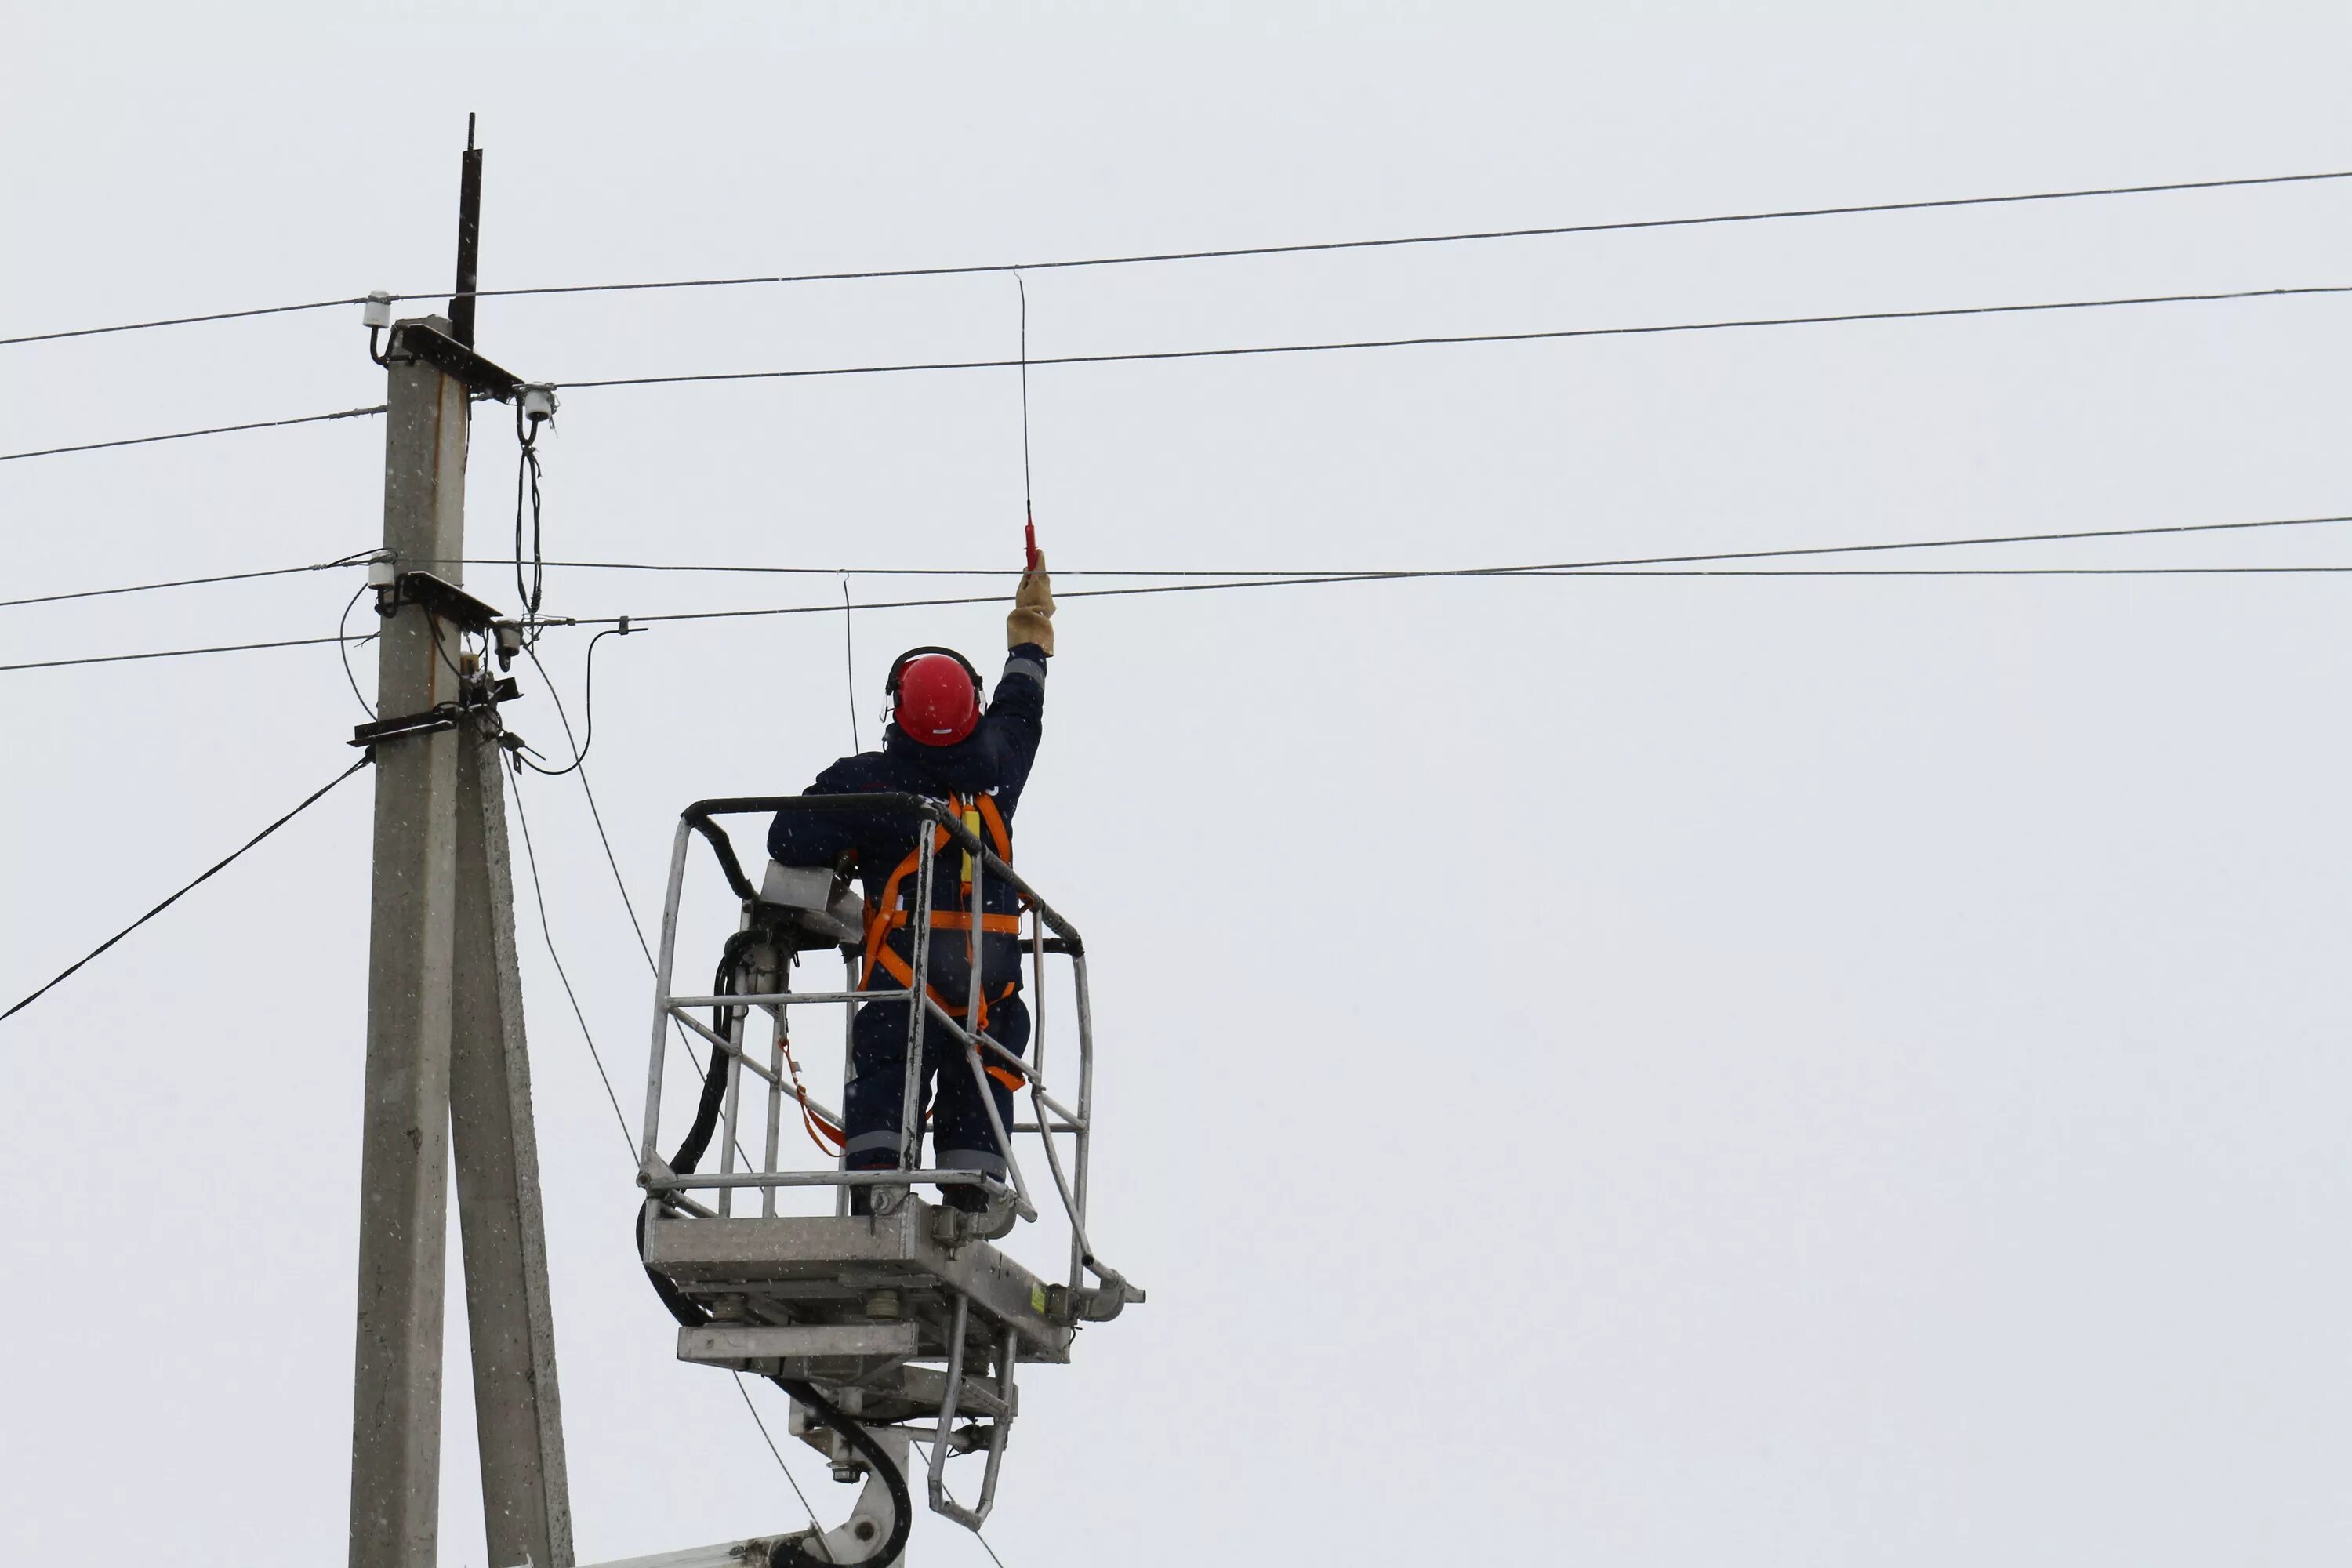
column 415, row 340
column 444, row 599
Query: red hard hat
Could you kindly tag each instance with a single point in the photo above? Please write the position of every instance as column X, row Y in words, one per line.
column 938, row 697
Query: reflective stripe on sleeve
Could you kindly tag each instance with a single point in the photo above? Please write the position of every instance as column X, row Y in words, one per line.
column 1033, row 668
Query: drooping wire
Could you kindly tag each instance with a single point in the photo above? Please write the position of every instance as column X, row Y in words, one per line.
column 1437, row 339
column 588, row 701
column 217, row 867
column 538, row 897
column 528, row 589
column 620, row 883
column 849, row 661
column 547, row 933
column 343, row 648
column 1028, row 491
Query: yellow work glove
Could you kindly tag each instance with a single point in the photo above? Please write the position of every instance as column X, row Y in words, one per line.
column 1032, row 619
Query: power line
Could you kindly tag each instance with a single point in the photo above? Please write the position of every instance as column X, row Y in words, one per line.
column 360, row 558
column 1552, row 335
column 184, row 320
column 311, row 799
column 1223, row 252
column 1497, row 573
column 1262, row 350
column 1623, row 567
column 1229, row 252
column 2142, row 532
column 178, row 652
column 352, row 559
column 188, row 434
column 547, row 933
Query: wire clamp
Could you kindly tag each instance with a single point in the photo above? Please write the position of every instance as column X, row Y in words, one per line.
column 482, row 699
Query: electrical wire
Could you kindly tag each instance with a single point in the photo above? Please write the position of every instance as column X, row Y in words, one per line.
column 174, row 652
column 620, row 883
column 221, row 864
column 343, row 650
column 547, row 933
column 638, row 622
column 1351, row 345
column 1628, row 566
column 1028, row 489
column 1467, row 237
column 2143, row 531
column 351, row 560
column 184, row 321
column 186, row 435
column 588, row 720
column 849, row 661
column 1436, row 340
column 1224, row 253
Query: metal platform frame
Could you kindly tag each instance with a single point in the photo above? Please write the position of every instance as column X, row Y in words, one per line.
column 857, row 1304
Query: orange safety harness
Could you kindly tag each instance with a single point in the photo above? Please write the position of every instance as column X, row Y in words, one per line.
column 980, row 814
column 822, row 1131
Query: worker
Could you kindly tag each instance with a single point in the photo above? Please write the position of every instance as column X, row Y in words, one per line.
column 939, row 744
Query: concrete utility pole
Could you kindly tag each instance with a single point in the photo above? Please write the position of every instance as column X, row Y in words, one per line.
column 444, row 1018
column 518, row 1418
column 404, row 1150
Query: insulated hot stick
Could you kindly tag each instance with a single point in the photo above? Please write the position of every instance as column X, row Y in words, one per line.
column 1032, row 543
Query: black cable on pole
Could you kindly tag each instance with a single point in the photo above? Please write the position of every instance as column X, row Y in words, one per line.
column 311, row 799
column 1438, row 339
column 588, row 701
column 187, row 434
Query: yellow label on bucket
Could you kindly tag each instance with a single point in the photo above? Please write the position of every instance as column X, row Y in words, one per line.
column 1037, row 1297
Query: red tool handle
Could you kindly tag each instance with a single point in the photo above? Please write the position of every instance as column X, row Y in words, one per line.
column 1033, row 546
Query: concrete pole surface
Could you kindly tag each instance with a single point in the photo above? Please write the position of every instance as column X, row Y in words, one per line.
column 518, row 1418
column 405, row 1153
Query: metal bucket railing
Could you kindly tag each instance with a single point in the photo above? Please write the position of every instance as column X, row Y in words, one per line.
column 1052, row 1118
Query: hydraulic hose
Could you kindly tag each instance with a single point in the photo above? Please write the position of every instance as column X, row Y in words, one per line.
column 790, row 1553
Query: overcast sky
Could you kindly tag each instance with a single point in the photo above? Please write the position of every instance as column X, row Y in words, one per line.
column 1629, row 1072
